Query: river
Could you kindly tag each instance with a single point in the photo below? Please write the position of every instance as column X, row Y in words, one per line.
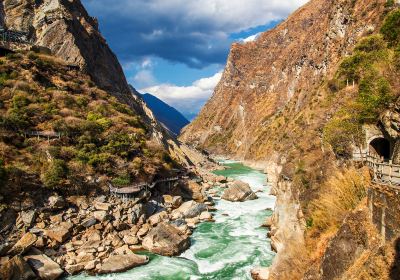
column 226, row 249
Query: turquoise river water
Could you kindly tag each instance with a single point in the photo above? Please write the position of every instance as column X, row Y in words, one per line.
column 226, row 249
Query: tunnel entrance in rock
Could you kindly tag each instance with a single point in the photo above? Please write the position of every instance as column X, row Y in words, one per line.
column 380, row 147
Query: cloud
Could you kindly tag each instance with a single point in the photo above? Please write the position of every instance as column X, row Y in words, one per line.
column 251, row 38
column 143, row 78
column 188, row 100
column 196, row 33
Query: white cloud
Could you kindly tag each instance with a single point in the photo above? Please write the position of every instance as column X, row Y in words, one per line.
column 189, row 99
column 251, row 38
column 144, row 78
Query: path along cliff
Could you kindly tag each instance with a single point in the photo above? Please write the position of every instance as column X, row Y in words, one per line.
column 298, row 100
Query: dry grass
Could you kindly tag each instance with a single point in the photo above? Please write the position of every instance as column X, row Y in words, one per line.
column 339, row 195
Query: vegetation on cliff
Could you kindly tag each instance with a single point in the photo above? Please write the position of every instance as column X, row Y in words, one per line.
column 87, row 133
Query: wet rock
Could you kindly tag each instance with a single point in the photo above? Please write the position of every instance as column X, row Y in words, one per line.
column 121, row 263
column 268, row 222
column 190, row 209
column 221, row 179
column 74, row 268
column 56, row 202
column 43, row 266
column 206, row 216
column 24, row 244
column 260, row 273
column 239, row 191
column 16, row 269
column 166, row 240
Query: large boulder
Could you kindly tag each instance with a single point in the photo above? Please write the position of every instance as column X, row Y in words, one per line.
column 24, row 244
column 59, row 233
column 44, row 267
column 239, row 191
column 121, row 263
column 190, row 209
column 16, row 269
column 166, row 240
column 193, row 190
column 260, row 273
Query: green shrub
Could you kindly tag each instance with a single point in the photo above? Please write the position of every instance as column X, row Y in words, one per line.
column 391, row 28
column 20, row 100
column 375, row 95
column 54, row 174
column 122, row 180
column 3, row 78
column 371, row 43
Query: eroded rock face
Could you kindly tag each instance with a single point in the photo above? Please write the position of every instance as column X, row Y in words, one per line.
column 279, row 69
column 66, row 28
column 166, row 240
column 239, row 191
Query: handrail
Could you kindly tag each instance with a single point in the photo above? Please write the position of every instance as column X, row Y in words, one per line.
column 139, row 187
column 383, row 172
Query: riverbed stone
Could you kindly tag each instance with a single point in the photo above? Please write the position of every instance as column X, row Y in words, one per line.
column 239, row 191
column 166, row 240
column 121, row 263
column 260, row 273
column 190, row 209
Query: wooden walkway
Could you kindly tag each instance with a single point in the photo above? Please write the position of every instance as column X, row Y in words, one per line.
column 383, row 172
column 139, row 187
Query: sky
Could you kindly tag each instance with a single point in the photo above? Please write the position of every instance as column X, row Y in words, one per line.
column 177, row 49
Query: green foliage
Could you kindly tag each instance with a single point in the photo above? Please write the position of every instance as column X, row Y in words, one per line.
column 391, row 28
column 389, row 3
column 120, row 144
column 20, row 100
column 375, row 95
column 122, row 180
column 54, row 174
column 103, row 122
column 343, row 131
column 3, row 78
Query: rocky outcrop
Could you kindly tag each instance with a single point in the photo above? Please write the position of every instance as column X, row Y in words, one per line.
column 189, row 209
column 239, row 191
column 166, row 240
column 279, row 71
column 67, row 29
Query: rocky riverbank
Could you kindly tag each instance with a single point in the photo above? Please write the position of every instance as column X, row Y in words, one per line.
column 103, row 234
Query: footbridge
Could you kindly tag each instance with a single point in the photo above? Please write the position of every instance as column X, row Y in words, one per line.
column 134, row 189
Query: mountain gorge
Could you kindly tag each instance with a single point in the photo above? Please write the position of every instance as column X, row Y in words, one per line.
column 169, row 116
column 296, row 102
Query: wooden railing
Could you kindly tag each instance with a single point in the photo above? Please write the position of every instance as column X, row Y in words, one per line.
column 139, row 187
column 383, row 172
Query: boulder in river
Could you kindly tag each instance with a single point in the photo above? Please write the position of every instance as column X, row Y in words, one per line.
column 166, row 240
column 121, row 263
column 260, row 273
column 239, row 191
column 190, row 209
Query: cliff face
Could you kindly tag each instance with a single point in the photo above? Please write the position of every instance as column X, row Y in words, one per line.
column 278, row 75
column 66, row 28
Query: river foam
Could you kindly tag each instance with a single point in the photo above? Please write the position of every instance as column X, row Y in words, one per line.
column 226, row 249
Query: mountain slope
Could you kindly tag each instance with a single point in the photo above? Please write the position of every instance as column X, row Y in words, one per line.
column 166, row 114
column 280, row 71
column 297, row 101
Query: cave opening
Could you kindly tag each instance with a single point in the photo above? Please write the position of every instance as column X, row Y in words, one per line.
column 381, row 147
